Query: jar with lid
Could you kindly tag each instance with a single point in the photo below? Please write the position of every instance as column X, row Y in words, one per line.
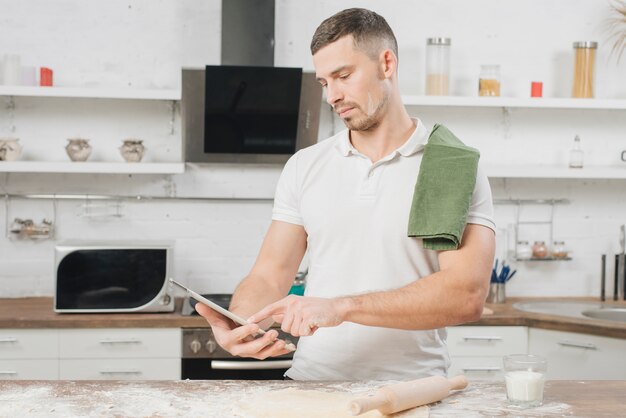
column 523, row 250
column 540, row 250
column 558, row 250
column 437, row 66
column 489, row 80
column 584, row 59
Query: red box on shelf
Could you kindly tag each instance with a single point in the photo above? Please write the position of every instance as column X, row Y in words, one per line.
column 45, row 77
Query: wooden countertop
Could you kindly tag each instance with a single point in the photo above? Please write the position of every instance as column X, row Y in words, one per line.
column 36, row 312
column 225, row 399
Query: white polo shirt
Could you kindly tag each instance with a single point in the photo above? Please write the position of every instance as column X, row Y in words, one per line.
column 356, row 216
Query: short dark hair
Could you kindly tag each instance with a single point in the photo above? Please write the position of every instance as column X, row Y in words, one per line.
column 370, row 31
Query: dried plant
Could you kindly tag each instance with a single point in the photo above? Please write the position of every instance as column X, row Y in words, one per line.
column 617, row 27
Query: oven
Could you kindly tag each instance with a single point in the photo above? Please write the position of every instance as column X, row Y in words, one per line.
column 204, row 359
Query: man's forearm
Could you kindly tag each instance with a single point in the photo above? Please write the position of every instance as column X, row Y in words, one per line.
column 254, row 293
column 434, row 301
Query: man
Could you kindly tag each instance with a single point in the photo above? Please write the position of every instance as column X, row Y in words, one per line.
column 376, row 301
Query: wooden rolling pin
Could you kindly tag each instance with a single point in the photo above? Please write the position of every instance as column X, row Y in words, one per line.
column 405, row 395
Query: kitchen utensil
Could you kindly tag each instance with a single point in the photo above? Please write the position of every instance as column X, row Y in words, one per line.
column 621, row 265
column 615, row 277
column 217, row 308
column 603, row 279
column 405, row 395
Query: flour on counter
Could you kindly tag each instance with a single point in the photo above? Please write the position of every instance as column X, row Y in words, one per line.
column 481, row 400
column 87, row 400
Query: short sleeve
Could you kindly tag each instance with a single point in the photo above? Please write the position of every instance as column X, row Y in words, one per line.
column 481, row 208
column 287, row 197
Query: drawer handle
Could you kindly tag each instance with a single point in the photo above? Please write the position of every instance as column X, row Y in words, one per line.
column 8, row 340
column 482, row 338
column 250, row 365
column 120, row 341
column 481, row 369
column 120, row 371
column 588, row 346
column 7, row 373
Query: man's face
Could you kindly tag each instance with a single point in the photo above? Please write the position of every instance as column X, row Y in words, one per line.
column 355, row 84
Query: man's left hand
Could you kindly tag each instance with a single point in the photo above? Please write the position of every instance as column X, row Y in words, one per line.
column 301, row 316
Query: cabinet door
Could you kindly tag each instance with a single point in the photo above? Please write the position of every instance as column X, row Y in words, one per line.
column 579, row 356
column 485, row 341
column 120, row 369
column 29, row 344
column 120, row 343
column 20, row 369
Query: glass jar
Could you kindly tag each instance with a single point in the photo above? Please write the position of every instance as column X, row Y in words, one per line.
column 437, row 66
column 489, row 80
column 540, row 250
column 584, row 59
column 558, row 250
column 523, row 251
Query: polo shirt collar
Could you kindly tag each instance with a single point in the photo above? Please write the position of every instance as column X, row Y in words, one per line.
column 415, row 143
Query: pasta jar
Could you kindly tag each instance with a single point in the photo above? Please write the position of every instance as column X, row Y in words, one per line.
column 540, row 250
column 584, row 59
column 437, row 66
column 558, row 250
column 489, row 80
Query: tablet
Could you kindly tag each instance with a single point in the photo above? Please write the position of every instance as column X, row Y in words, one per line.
column 237, row 319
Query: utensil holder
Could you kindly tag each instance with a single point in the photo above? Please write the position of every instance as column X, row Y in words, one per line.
column 497, row 293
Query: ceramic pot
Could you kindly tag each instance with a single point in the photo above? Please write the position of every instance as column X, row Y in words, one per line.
column 10, row 149
column 78, row 149
column 132, row 150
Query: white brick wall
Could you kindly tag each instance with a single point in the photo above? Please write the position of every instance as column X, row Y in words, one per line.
column 144, row 43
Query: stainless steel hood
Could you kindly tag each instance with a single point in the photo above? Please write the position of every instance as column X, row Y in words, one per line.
column 248, row 32
column 247, row 40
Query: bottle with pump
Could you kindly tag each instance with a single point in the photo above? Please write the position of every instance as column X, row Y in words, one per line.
column 576, row 154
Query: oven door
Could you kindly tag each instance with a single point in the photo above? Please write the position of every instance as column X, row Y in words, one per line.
column 234, row 368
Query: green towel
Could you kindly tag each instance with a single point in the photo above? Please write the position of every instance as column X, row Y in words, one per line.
column 443, row 191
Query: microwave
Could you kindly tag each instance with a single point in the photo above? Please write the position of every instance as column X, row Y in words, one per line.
column 113, row 277
column 248, row 114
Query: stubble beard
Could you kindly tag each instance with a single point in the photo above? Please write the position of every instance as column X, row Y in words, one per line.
column 371, row 119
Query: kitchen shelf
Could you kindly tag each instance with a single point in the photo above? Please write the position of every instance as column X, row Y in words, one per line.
column 92, row 93
column 554, row 172
column 91, row 167
column 515, row 102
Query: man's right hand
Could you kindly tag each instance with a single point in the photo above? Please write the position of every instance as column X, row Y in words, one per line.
column 240, row 340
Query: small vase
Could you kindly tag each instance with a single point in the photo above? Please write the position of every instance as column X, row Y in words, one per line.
column 132, row 150
column 78, row 149
column 10, row 149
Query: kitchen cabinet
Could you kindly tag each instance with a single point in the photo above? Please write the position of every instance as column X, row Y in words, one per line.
column 579, row 356
column 120, row 353
column 104, row 115
column 28, row 354
column 94, row 354
column 477, row 351
column 457, row 105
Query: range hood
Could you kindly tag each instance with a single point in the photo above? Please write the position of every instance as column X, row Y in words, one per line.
column 248, row 32
column 256, row 128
